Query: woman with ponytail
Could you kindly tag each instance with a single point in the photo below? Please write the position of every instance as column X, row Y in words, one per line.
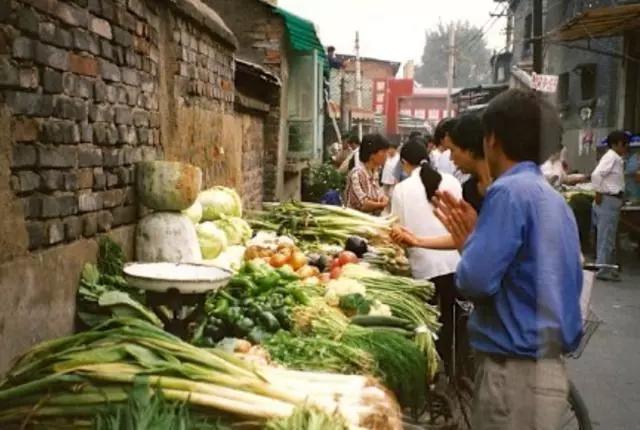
column 411, row 203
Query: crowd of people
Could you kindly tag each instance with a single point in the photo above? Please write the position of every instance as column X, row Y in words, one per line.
column 478, row 212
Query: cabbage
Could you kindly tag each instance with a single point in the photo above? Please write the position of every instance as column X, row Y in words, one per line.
column 237, row 230
column 212, row 240
column 219, row 202
column 194, row 212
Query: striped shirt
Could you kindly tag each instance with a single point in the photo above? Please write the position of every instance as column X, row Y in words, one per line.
column 362, row 185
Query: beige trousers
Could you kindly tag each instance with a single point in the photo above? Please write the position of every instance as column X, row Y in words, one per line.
column 517, row 394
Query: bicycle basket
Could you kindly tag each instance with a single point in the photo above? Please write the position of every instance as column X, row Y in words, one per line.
column 589, row 327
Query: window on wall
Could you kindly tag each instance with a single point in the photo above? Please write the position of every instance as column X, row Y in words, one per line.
column 563, row 88
column 434, row 114
column 420, row 113
column 588, row 74
column 528, row 34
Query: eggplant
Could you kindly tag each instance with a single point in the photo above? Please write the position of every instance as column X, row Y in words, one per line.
column 357, row 245
column 318, row 260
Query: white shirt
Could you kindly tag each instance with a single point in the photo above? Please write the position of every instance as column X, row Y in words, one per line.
column 414, row 211
column 434, row 156
column 608, row 177
column 388, row 178
column 554, row 169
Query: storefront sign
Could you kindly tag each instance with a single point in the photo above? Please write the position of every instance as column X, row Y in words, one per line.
column 545, row 83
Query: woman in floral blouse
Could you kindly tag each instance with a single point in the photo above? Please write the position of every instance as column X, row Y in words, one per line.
column 363, row 191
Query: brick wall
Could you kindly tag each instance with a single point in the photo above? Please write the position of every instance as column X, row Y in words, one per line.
column 87, row 89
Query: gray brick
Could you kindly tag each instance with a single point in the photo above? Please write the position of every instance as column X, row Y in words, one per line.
column 89, row 202
column 62, row 38
column 119, row 55
column 89, row 156
column 109, row 71
column 137, row 7
column 85, row 178
column 130, row 194
column 149, row 153
column 94, row 6
column 69, row 83
column 54, row 231
column 68, row 204
column 132, row 155
column 94, row 45
column 130, row 58
column 28, row 78
column 100, row 91
column 123, row 115
column 50, row 207
column 122, row 37
column 72, row 228
column 60, row 132
column 140, row 118
column 52, row 180
column 23, row 48
column 107, row 10
column 112, row 94
column 154, row 120
column 132, row 95
column 125, row 215
column 8, row 74
column 86, row 133
column 127, row 135
column 130, row 76
column 143, row 136
column 106, row 49
column 105, row 133
column 37, row 236
column 30, row 104
column 70, row 181
column 99, row 179
column 112, row 181
column 71, row 15
column 101, row 27
column 112, row 198
column 52, row 81
column 105, row 220
column 57, row 156
column 113, row 157
column 122, row 95
column 51, row 56
column 125, row 175
column 5, row 10
column 81, row 40
column 83, row 88
column 47, row 31
column 32, row 206
column 27, row 21
column 23, row 156
column 90, row 224
column 101, row 113
column 71, row 108
column 27, row 181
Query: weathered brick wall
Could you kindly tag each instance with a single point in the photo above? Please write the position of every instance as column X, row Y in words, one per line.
column 252, row 127
column 79, row 82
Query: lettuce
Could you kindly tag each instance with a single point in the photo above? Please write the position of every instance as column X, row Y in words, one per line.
column 194, row 212
column 212, row 240
column 220, row 202
column 237, row 230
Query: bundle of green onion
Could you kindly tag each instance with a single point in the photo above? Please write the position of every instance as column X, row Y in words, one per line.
column 77, row 377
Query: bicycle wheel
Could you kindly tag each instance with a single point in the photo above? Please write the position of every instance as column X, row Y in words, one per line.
column 577, row 414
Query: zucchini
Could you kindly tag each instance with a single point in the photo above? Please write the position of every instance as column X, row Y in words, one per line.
column 382, row 321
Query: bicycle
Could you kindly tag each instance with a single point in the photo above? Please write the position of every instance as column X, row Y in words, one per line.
column 450, row 407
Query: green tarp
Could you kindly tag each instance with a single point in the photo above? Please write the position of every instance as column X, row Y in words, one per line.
column 302, row 34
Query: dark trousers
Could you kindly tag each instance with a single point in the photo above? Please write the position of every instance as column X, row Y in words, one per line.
column 445, row 298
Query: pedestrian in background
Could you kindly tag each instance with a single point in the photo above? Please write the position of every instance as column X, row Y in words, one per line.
column 388, row 179
column 608, row 183
column 363, row 191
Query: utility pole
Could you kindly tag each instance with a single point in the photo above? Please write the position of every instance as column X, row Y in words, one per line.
column 358, row 82
column 537, row 36
column 452, row 59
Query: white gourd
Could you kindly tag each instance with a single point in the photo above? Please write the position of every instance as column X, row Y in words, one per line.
column 167, row 237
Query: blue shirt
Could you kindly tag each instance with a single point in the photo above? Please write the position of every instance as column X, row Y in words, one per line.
column 522, row 269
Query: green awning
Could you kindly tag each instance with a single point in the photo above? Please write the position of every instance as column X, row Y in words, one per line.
column 302, row 34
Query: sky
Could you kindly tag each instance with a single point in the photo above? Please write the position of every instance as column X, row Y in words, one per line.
column 393, row 29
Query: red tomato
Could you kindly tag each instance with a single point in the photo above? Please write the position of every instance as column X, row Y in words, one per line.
column 335, row 263
column 347, row 257
column 336, row 272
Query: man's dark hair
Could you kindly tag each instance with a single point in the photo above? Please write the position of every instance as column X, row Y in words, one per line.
column 415, row 153
column 468, row 134
column 443, row 128
column 372, row 143
column 353, row 138
column 617, row 136
column 331, row 49
column 526, row 126
column 414, row 134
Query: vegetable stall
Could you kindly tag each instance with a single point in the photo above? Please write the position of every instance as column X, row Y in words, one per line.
column 316, row 325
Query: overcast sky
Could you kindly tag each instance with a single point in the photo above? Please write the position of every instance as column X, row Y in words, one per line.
column 392, row 29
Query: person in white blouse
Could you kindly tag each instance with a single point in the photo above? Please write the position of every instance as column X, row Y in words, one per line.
column 411, row 204
column 608, row 183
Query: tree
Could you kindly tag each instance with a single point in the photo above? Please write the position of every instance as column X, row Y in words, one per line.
column 472, row 57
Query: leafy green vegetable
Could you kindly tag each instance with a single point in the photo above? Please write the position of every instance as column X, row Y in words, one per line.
column 212, row 240
column 194, row 212
column 304, row 418
column 355, row 304
column 219, row 202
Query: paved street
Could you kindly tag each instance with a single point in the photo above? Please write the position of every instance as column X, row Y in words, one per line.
column 608, row 373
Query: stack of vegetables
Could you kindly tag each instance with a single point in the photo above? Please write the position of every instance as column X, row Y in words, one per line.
column 68, row 382
column 314, row 224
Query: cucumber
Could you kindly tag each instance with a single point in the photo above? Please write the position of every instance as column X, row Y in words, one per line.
column 397, row 330
column 381, row 321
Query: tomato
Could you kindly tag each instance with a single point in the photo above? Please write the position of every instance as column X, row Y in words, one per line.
column 278, row 260
column 336, row 272
column 298, row 259
column 334, row 263
column 347, row 257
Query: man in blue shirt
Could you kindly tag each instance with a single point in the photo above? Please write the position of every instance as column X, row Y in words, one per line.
column 521, row 266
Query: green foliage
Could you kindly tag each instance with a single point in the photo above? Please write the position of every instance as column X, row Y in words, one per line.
column 323, row 178
column 472, row 57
